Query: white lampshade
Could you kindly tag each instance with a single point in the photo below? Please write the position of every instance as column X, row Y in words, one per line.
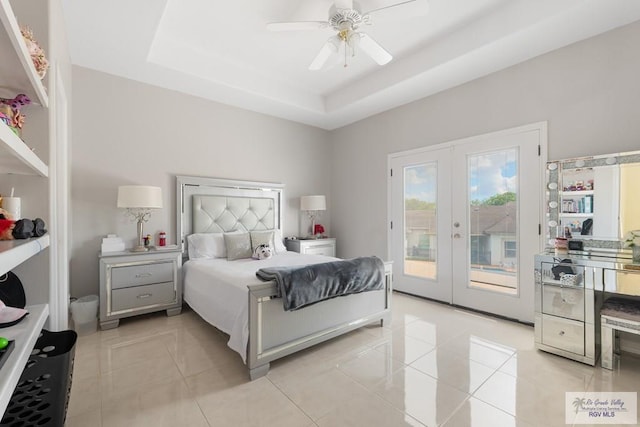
column 139, row 196
column 313, row 203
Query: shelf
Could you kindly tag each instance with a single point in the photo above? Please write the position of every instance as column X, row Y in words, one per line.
column 16, row 157
column 575, row 215
column 15, row 252
column 577, row 193
column 25, row 335
column 17, row 73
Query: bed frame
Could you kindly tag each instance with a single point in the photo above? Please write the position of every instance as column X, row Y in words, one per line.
column 217, row 205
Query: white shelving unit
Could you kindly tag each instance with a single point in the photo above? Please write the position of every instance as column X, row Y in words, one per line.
column 18, row 75
column 25, row 335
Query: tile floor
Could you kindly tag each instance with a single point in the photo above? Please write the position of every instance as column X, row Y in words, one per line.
column 433, row 365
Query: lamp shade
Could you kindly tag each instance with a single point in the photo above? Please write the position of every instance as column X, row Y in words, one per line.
column 313, row 203
column 139, row 196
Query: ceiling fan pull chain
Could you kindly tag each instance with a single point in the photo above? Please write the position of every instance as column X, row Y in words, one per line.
column 346, row 47
column 354, row 39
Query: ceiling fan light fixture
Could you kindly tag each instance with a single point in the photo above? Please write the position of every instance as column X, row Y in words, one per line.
column 345, row 17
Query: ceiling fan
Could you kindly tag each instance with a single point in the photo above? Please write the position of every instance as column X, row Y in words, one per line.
column 345, row 17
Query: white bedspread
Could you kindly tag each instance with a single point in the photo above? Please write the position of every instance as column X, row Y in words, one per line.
column 216, row 289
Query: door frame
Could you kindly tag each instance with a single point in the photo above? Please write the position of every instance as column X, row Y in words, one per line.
column 541, row 127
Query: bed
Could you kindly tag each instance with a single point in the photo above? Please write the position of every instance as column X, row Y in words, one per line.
column 228, row 295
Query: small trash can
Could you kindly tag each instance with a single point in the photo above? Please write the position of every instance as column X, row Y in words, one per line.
column 41, row 397
column 85, row 314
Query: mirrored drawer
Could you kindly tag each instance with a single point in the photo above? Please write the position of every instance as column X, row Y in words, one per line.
column 563, row 273
column 563, row 334
column 563, row 301
column 141, row 274
column 142, row 296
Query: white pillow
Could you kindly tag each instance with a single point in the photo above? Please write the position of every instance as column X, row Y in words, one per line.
column 279, row 244
column 206, row 245
column 262, row 237
column 275, row 239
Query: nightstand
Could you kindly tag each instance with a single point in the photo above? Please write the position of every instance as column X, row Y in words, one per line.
column 133, row 283
column 312, row 246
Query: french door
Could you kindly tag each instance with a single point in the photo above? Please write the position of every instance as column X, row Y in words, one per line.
column 466, row 220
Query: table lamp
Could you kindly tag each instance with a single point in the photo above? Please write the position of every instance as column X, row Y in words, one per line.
column 138, row 200
column 313, row 205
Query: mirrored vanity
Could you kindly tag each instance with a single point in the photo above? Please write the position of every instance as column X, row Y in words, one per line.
column 592, row 203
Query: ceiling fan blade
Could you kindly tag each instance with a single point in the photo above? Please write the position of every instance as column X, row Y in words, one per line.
column 373, row 49
column 297, row 26
column 344, row 4
column 328, row 49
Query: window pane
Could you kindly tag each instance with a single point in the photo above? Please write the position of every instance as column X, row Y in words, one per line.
column 493, row 212
column 420, row 219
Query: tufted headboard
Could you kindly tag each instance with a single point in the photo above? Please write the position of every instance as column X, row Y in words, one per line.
column 211, row 205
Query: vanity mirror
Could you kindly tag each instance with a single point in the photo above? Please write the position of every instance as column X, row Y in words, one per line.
column 594, row 199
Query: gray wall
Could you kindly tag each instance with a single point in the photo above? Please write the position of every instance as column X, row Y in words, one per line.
column 588, row 92
column 125, row 132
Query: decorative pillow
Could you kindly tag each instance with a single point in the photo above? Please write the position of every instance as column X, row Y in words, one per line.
column 262, row 237
column 206, row 245
column 238, row 245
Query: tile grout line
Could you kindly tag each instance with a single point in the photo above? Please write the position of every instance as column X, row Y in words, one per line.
column 290, row 400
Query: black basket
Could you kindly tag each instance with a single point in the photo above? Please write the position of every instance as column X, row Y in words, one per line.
column 42, row 394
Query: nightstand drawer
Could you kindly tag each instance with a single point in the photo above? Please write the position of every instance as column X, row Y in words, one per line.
column 142, row 296
column 326, row 250
column 326, row 246
column 144, row 274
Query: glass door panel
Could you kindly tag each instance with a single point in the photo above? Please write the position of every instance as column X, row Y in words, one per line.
column 420, row 220
column 493, row 213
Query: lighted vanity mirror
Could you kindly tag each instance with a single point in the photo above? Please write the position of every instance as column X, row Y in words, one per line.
column 594, row 198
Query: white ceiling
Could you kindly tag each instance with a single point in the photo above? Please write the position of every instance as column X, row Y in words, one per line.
column 221, row 50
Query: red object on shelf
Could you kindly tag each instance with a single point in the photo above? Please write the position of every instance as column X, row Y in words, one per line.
column 162, row 239
column 318, row 229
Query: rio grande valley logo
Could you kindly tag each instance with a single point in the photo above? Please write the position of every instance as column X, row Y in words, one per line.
column 601, row 408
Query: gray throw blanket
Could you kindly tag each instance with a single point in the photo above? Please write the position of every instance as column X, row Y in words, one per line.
column 302, row 286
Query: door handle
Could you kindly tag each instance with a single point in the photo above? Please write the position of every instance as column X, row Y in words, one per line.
column 143, row 296
column 456, row 224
